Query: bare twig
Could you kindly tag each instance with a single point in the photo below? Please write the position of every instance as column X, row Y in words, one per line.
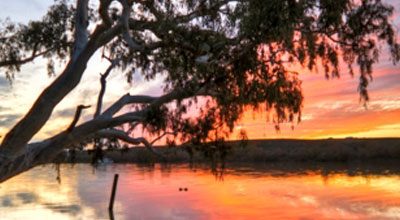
column 103, row 83
column 77, row 116
column 161, row 136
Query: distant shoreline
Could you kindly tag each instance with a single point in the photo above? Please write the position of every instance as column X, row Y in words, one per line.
column 269, row 150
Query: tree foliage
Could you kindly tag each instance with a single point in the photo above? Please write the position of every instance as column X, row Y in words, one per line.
column 49, row 37
column 229, row 54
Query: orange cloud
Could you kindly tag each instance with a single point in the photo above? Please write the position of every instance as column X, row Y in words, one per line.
column 332, row 107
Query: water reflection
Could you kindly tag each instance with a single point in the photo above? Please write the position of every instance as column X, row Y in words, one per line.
column 271, row 191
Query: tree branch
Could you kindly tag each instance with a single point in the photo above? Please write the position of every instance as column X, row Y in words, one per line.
column 125, row 21
column 103, row 83
column 113, row 133
column 81, row 24
column 161, row 136
column 77, row 116
column 154, row 101
column 103, row 11
column 47, row 150
column 150, row 5
column 125, row 100
column 17, row 138
column 201, row 12
column 33, row 56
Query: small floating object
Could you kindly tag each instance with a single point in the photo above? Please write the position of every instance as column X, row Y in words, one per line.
column 186, row 189
column 180, row 189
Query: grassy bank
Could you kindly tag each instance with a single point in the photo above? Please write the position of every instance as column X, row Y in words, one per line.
column 349, row 149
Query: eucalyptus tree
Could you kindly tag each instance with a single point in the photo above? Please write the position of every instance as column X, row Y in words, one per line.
column 231, row 54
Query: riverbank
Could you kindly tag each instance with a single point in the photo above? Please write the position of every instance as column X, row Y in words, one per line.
column 349, row 149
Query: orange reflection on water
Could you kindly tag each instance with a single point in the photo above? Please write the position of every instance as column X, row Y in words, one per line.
column 263, row 196
column 159, row 193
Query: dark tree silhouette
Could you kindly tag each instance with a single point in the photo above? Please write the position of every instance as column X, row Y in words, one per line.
column 233, row 53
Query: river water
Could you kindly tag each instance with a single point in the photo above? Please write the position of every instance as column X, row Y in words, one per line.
column 185, row 192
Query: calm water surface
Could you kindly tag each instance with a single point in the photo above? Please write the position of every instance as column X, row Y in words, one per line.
column 244, row 192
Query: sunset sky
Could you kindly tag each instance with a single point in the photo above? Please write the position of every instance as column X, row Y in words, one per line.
column 331, row 107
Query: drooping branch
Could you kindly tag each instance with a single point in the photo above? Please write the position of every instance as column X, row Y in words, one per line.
column 161, row 136
column 35, row 54
column 77, row 116
column 121, row 135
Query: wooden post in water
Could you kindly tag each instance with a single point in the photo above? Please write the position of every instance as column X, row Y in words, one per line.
column 114, row 188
